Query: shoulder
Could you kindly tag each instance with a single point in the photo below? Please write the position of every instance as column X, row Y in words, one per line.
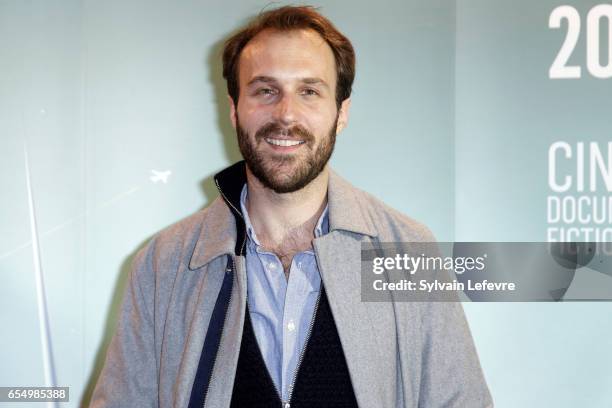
column 174, row 245
column 394, row 224
column 389, row 224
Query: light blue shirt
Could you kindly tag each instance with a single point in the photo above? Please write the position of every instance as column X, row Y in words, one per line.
column 281, row 310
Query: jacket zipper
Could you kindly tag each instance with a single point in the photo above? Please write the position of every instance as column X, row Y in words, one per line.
column 228, row 270
column 287, row 404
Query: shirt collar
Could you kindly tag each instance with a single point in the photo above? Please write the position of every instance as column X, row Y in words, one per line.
column 321, row 228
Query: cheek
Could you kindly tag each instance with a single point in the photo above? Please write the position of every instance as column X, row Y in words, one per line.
column 319, row 118
column 251, row 117
column 326, row 123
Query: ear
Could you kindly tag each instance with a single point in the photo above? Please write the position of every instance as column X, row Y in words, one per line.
column 232, row 111
column 343, row 115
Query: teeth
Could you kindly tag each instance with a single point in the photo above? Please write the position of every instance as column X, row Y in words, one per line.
column 284, row 142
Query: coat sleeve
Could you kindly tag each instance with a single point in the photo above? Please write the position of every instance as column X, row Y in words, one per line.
column 129, row 376
column 451, row 375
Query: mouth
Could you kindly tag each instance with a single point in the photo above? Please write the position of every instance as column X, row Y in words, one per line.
column 283, row 142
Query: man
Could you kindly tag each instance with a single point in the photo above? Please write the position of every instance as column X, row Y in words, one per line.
column 255, row 301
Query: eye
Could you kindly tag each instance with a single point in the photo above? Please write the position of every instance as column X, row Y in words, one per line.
column 309, row 92
column 265, row 91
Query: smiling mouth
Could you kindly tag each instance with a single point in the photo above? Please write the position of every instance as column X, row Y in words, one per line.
column 283, row 142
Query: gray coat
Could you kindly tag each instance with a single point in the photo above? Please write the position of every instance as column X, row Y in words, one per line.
column 400, row 354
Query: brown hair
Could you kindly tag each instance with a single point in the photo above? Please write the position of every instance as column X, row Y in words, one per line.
column 292, row 18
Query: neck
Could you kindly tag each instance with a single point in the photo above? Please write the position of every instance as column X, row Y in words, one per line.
column 275, row 216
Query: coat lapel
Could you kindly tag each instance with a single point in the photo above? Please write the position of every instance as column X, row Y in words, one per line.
column 366, row 330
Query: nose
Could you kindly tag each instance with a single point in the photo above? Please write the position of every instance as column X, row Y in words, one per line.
column 286, row 110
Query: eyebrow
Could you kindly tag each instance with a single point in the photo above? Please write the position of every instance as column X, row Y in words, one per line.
column 271, row 80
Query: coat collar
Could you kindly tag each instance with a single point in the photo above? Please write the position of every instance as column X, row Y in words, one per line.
column 223, row 227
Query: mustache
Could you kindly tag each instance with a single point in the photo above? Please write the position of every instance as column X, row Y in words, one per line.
column 275, row 128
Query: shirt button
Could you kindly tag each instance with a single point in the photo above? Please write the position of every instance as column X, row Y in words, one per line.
column 299, row 265
column 291, row 326
column 272, row 266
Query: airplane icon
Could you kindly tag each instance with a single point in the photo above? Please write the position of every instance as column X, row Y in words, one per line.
column 160, row 176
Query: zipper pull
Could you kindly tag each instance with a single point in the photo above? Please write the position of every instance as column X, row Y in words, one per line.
column 286, row 405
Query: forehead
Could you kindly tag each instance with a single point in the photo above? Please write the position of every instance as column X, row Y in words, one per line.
column 287, row 55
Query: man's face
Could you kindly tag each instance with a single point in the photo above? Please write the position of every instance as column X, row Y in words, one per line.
column 287, row 119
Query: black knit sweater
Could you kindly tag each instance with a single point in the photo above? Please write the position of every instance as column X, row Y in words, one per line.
column 322, row 378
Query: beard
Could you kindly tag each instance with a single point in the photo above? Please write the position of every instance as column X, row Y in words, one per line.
column 286, row 173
